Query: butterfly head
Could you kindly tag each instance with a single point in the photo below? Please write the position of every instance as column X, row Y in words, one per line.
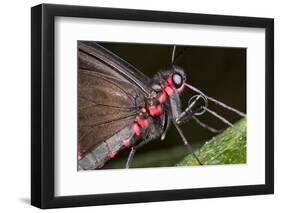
column 174, row 78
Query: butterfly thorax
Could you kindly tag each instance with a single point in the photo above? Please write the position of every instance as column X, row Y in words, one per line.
column 165, row 84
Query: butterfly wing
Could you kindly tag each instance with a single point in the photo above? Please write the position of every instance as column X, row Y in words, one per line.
column 110, row 93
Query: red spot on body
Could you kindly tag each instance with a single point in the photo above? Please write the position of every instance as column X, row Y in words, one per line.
column 169, row 91
column 142, row 122
column 145, row 124
column 111, row 154
column 163, row 97
column 155, row 110
column 152, row 110
column 162, row 86
column 170, row 81
column 126, row 143
column 170, row 88
column 136, row 129
column 159, row 110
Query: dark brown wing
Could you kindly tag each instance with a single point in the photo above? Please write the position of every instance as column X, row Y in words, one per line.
column 108, row 99
column 122, row 69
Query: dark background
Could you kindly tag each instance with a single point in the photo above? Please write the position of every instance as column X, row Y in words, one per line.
column 218, row 71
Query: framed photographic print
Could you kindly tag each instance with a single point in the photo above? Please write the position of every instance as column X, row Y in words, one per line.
column 140, row 106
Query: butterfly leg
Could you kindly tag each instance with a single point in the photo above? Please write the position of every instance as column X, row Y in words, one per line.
column 206, row 126
column 190, row 113
column 178, row 117
column 130, row 158
column 133, row 151
column 186, row 143
column 191, row 110
column 166, row 125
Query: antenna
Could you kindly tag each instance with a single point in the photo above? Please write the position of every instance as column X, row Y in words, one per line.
column 173, row 54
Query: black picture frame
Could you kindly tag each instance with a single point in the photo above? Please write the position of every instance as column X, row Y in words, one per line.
column 43, row 110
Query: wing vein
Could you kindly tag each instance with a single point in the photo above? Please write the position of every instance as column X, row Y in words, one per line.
column 112, row 120
column 113, row 83
column 94, row 104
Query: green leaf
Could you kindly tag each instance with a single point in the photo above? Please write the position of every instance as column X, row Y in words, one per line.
column 229, row 147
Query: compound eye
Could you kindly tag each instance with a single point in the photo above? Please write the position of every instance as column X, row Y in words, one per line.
column 177, row 80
